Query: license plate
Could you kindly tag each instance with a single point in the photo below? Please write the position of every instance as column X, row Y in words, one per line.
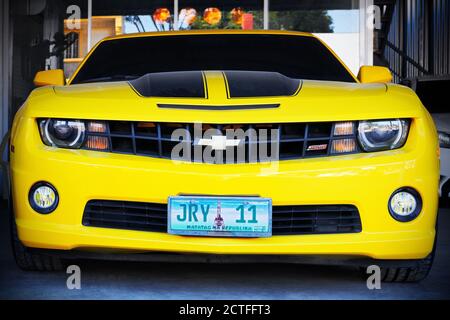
column 220, row 216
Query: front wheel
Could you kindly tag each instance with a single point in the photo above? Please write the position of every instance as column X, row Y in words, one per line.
column 27, row 259
column 408, row 274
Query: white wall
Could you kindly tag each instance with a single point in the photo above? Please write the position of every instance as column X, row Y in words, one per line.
column 346, row 46
column 355, row 49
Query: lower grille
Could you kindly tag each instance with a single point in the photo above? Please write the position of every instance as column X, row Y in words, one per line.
column 317, row 219
column 286, row 220
column 126, row 215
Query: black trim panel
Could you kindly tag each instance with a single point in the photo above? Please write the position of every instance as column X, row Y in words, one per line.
column 203, row 107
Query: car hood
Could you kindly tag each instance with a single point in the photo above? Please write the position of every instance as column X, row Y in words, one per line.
column 211, row 85
column 225, row 97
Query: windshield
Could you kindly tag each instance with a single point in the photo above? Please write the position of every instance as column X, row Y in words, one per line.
column 300, row 57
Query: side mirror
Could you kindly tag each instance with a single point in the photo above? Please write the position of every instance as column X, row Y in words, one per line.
column 49, row 77
column 374, row 74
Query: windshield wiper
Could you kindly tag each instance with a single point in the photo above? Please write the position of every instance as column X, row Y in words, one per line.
column 120, row 77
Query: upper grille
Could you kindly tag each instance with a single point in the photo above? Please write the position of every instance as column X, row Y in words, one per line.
column 154, row 139
column 286, row 220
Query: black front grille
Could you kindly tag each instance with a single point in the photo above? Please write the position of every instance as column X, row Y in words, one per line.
column 154, row 139
column 286, row 220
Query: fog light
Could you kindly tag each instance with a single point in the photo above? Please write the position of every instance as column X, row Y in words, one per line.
column 405, row 204
column 43, row 197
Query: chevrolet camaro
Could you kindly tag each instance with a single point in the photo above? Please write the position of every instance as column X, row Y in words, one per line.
column 245, row 146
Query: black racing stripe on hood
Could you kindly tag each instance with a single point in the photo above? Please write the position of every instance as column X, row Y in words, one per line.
column 243, row 84
column 183, row 84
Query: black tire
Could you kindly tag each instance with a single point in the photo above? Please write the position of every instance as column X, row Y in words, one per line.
column 412, row 273
column 27, row 259
column 415, row 272
column 408, row 274
column 444, row 201
column 405, row 274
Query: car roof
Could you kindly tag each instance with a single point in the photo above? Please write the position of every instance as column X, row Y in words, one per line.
column 210, row 32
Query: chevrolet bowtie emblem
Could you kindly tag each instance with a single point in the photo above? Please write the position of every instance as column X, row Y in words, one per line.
column 218, row 142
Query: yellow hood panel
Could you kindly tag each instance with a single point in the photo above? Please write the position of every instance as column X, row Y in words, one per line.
column 315, row 101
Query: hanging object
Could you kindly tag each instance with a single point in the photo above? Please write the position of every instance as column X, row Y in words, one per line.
column 212, row 16
column 187, row 17
column 236, row 15
column 247, row 21
column 161, row 15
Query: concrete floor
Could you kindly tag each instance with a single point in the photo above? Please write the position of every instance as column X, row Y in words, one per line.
column 126, row 280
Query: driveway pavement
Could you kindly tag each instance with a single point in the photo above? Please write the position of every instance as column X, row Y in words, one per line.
column 132, row 280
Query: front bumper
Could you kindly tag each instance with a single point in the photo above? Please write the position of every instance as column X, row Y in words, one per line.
column 364, row 180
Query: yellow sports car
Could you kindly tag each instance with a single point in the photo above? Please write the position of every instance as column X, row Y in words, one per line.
column 224, row 146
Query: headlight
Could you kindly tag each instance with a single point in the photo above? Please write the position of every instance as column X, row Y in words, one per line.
column 380, row 135
column 63, row 133
column 444, row 139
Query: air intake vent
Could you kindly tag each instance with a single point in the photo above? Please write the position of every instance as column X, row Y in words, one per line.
column 286, row 220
